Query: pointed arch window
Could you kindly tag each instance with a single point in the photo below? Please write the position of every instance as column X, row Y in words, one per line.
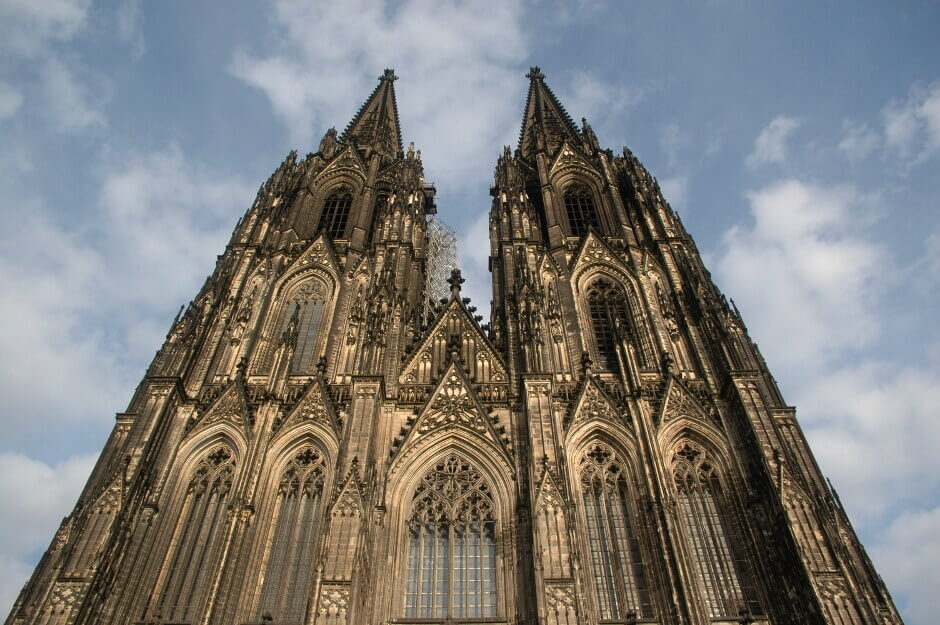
column 616, row 564
column 286, row 581
column 336, row 213
column 608, row 310
column 714, row 539
column 302, row 316
column 378, row 214
column 452, row 545
column 198, row 539
column 579, row 206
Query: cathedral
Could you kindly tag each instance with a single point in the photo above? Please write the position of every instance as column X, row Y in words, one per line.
column 330, row 435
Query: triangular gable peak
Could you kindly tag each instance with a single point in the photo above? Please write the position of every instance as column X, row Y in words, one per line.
column 594, row 251
column 318, row 252
column 549, row 493
column 348, row 501
column 594, row 403
column 229, row 407
column 375, row 125
column 680, row 402
column 314, row 406
column 545, row 123
column 453, row 405
column 571, row 157
column 483, row 362
column 346, row 161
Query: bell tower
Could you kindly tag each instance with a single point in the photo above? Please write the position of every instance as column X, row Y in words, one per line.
column 669, row 479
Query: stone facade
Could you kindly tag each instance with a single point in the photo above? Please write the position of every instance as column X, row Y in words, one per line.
column 315, row 444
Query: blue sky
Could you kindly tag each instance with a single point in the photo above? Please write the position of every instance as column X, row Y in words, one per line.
column 800, row 142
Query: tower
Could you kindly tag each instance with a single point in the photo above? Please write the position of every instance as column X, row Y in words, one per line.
column 321, row 440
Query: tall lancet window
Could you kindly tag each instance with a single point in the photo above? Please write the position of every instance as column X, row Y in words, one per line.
column 616, row 565
column 579, row 206
column 336, row 213
column 302, row 315
column 452, row 545
column 290, row 558
column 609, row 318
column 197, row 541
column 714, row 540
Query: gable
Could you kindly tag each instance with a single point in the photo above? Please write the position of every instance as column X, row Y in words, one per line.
column 595, row 404
column 484, row 365
column 313, row 407
column 454, row 406
column 346, row 161
column 230, row 407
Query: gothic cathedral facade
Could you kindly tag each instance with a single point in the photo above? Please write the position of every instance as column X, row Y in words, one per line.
column 324, row 440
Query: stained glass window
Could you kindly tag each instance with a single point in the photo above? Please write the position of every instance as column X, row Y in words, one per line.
column 579, row 206
column 336, row 213
column 714, row 540
column 197, row 540
column 616, row 564
column 452, row 545
column 291, row 554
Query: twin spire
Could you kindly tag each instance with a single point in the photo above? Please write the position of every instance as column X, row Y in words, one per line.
column 545, row 121
column 375, row 125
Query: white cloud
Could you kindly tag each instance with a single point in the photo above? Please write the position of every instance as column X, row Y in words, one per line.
column 10, row 100
column 858, row 140
column 70, row 104
column 604, row 104
column 454, row 61
column 912, row 127
column 871, row 425
column 39, row 496
column 671, row 140
column 28, row 26
column 675, row 189
column 129, row 18
column 804, row 275
column 771, row 144
column 907, row 558
column 91, row 305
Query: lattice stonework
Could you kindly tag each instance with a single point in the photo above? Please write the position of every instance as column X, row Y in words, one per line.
column 451, row 539
column 616, row 564
column 714, row 541
column 296, row 530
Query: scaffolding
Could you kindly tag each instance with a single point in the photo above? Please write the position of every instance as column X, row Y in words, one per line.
column 442, row 257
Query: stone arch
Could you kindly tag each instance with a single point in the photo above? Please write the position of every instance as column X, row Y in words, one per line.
column 564, row 182
column 324, row 290
column 195, row 523
column 706, row 490
column 582, row 281
column 404, row 478
column 267, row 555
column 612, row 520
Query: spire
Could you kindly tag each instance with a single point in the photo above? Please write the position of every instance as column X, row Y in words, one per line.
column 545, row 116
column 375, row 125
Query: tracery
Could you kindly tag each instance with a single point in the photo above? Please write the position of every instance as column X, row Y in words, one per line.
column 579, row 207
column 291, row 553
column 303, row 313
column 616, row 563
column 198, row 537
column 336, row 213
column 713, row 538
column 452, row 545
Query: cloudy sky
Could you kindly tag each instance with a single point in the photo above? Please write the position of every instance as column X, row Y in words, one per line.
column 800, row 141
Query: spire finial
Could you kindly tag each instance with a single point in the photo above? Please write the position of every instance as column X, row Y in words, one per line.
column 535, row 73
column 388, row 75
column 455, row 281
